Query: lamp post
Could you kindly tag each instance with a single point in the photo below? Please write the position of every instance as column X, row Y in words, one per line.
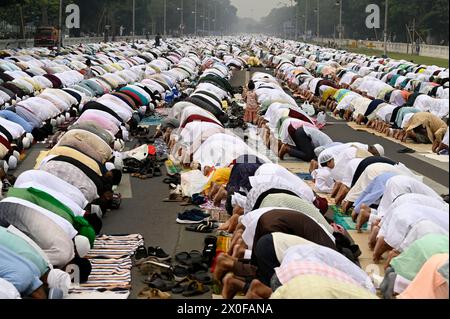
column 195, row 18
column 60, row 37
column 134, row 19
column 165, row 18
column 339, row 3
column 386, row 11
column 318, row 19
column 306, row 18
column 181, row 9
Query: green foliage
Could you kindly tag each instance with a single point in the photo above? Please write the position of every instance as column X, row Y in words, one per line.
column 431, row 18
column 218, row 15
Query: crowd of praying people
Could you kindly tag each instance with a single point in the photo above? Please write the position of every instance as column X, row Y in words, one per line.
column 284, row 245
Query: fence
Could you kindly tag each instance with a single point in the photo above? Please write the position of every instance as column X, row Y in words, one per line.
column 28, row 43
column 434, row 51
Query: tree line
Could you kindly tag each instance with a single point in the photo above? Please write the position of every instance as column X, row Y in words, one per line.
column 430, row 19
column 114, row 17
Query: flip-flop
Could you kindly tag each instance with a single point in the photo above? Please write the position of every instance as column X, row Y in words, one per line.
column 180, row 273
column 195, row 288
column 183, row 258
column 141, row 253
column 157, row 171
column 199, row 229
column 204, row 277
column 181, row 286
column 406, row 151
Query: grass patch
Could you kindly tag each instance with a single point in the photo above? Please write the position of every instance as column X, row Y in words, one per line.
column 402, row 56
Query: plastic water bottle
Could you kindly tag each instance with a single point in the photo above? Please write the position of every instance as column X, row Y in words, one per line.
column 321, row 118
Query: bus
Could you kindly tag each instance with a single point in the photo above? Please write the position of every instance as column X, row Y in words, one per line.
column 46, row 37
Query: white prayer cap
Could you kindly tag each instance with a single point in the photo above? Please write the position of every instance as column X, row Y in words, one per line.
column 8, row 291
column 12, row 162
column 118, row 163
column 118, row 145
column 53, row 122
column 380, row 149
column 82, row 245
column 59, row 279
column 110, row 166
column 319, row 150
column 26, row 142
column 325, row 158
column 67, row 116
column 16, row 154
column 4, row 165
column 30, row 136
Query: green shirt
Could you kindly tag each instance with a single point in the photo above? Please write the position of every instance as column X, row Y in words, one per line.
column 52, row 204
column 409, row 263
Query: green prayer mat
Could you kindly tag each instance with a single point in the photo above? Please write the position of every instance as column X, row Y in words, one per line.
column 151, row 121
column 343, row 219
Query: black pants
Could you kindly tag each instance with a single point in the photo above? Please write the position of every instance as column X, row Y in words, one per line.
column 265, row 258
column 304, row 149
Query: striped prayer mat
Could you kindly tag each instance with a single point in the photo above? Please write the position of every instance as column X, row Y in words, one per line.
column 111, row 268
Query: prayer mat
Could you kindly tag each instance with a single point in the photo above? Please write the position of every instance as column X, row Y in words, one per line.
column 419, row 148
column 439, row 158
column 305, row 176
column 345, row 220
column 111, row 268
column 151, row 121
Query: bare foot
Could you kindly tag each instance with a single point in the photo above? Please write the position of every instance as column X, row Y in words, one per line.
column 231, row 286
column 346, row 206
column 224, row 226
column 258, row 290
column 236, row 236
column 380, row 248
column 363, row 217
column 224, row 265
column 239, row 249
column 234, row 221
column 373, row 237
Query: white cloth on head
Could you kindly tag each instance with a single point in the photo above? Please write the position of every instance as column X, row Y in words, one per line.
column 8, row 291
column 82, row 245
column 59, row 279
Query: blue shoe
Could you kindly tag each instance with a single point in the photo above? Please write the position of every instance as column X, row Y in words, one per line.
column 189, row 217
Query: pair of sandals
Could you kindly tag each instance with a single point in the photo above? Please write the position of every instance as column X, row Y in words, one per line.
column 190, row 288
column 151, row 172
column 153, row 293
column 206, row 227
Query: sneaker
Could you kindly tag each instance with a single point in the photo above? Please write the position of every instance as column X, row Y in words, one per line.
column 159, row 253
column 189, row 217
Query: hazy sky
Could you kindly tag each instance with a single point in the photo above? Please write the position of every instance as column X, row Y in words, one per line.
column 256, row 9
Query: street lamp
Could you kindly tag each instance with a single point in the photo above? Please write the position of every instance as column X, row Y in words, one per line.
column 386, row 11
column 60, row 37
column 165, row 18
column 134, row 19
column 317, row 10
column 195, row 18
column 306, row 18
column 181, row 9
column 339, row 3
